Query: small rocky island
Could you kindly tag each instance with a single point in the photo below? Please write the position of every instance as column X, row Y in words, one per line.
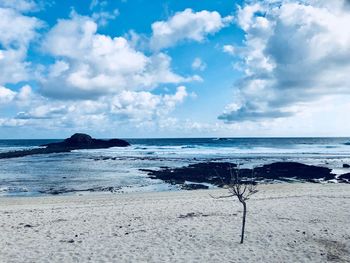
column 77, row 141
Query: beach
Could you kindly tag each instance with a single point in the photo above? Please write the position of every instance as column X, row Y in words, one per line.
column 296, row 222
column 138, row 131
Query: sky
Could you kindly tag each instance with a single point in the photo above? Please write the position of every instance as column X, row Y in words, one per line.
column 184, row 68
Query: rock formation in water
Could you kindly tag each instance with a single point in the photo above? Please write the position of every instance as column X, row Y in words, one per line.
column 219, row 174
column 76, row 142
column 84, row 141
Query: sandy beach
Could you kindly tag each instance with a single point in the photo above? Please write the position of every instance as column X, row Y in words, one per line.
column 285, row 223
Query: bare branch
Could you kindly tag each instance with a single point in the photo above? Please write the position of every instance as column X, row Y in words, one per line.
column 241, row 189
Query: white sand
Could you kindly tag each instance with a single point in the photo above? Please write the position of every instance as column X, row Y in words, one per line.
column 286, row 223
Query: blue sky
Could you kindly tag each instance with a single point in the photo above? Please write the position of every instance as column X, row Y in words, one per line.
column 135, row 68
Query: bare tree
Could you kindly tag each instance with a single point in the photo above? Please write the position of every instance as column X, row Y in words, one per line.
column 242, row 189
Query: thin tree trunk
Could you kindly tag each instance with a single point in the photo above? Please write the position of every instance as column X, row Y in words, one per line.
column 243, row 221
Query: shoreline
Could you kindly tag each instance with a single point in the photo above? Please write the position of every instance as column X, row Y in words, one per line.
column 173, row 189
column 195, row 176
column 135, row 168
column 301, row 222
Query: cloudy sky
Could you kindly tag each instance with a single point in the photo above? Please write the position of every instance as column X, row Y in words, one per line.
column 186, row 68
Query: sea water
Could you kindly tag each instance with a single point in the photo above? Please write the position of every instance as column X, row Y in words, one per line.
column 119, row 169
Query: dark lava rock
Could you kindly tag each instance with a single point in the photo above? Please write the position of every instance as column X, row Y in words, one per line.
column 77, row 141
column 84, row 141
column 345, row 165
column 283, row 170
column 22, row 153
column 210, row 172
column 219, row 174
column 344, row 178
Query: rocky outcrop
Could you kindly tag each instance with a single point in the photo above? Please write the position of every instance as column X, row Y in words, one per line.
column 344, row 178
column 219, row 174
column 75, row 142
column 211, row 172
column 84, row 141
column 22, row 153
column 287, row 170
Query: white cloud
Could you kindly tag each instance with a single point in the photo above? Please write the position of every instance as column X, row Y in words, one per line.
column 145, row 105
column 34, row 110
column 17, row 30
column 294, row 52
column 100, row 15
column 71, row 37
column 95, row 81
column 16, row 33
column 128, row 107
column 14, row 67
column 93, row 4
column 247, row 15
column 20, row 5
column 229, row 49
column 10, row 122
column 103, row 17
column 43, row 112
column 26, row 96
column 6, row 95
column 186, row 25
column 23, row 97
column 98, row 3
column 198, row 64
column 92, row 65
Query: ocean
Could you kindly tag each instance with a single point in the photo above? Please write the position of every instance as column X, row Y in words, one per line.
column 118, row 169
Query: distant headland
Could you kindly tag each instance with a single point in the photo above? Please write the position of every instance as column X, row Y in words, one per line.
column 75, row 142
